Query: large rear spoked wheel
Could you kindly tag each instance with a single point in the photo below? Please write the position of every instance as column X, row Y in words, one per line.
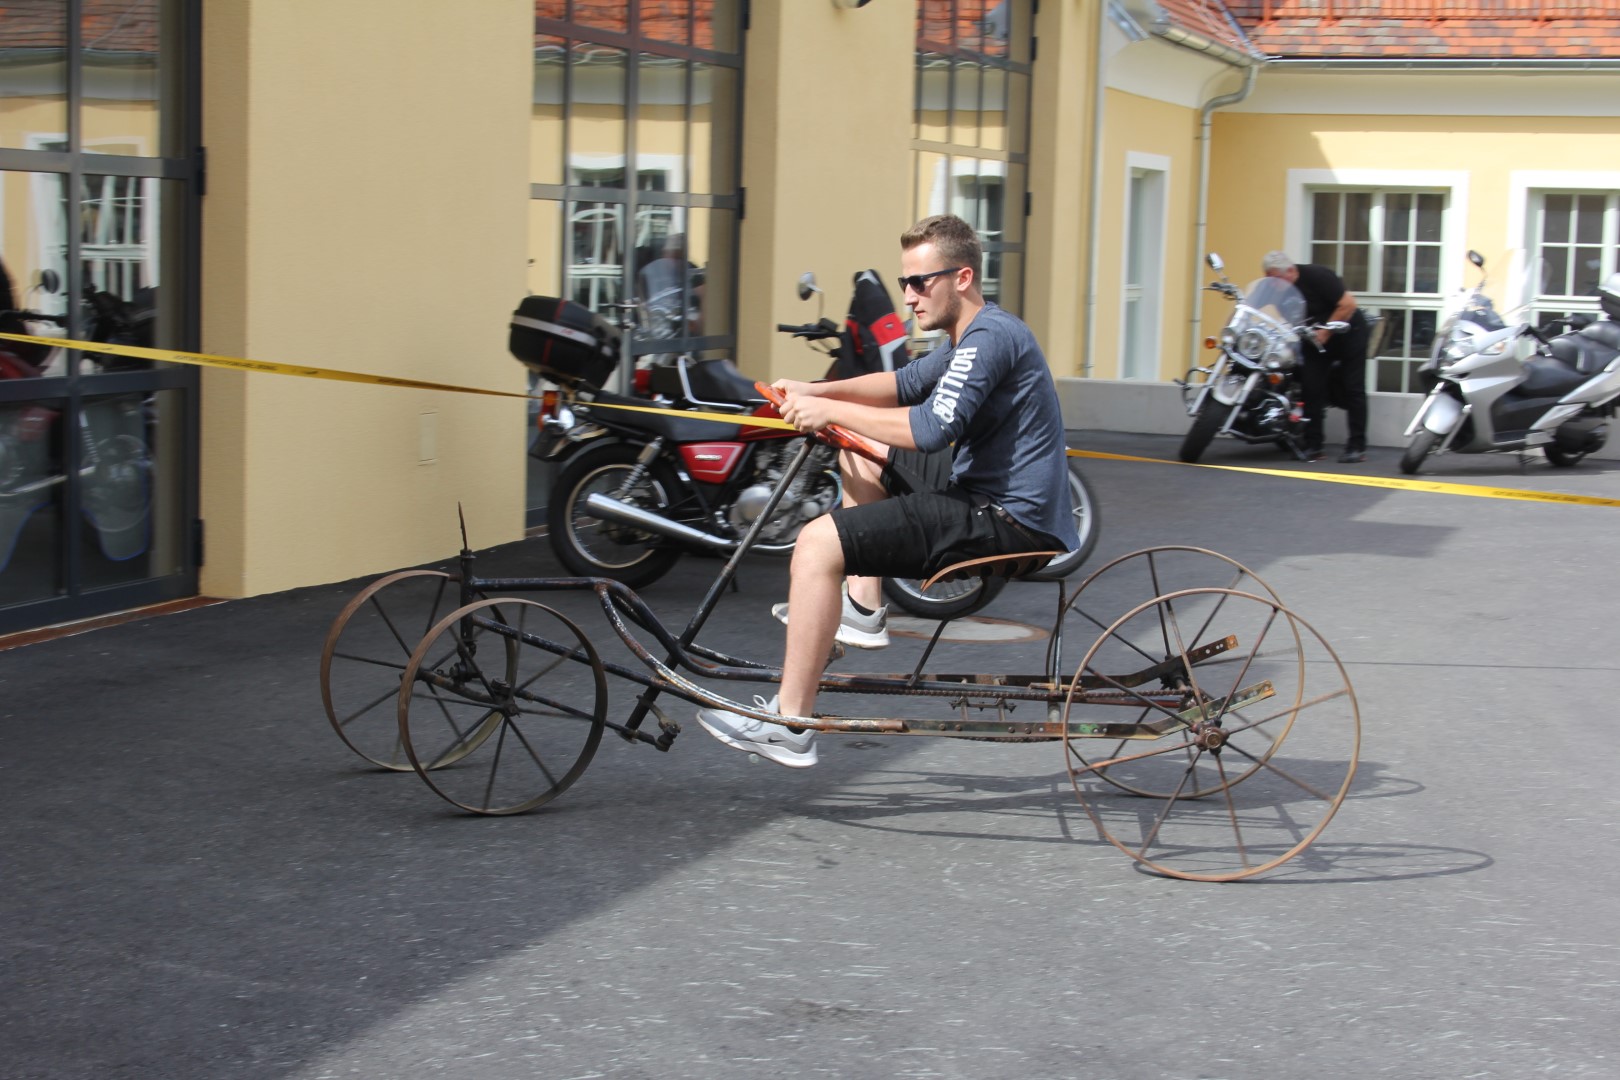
column 366, row 652
column 1244, row 736
column 493, row 720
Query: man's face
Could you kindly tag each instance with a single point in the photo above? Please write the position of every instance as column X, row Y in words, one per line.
column 937, row 304
column 1290, row 275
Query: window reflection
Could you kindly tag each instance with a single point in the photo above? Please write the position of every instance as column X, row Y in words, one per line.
column 33, row 73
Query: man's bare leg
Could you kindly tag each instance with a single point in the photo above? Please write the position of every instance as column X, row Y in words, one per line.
column 813, row 595
column 863, row 483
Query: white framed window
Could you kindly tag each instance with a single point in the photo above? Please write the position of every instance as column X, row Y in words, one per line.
column 1570, row 226
column 1147, row 187
column 1393, row 237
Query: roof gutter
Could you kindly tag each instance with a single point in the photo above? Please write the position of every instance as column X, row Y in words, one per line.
column 1450, row 67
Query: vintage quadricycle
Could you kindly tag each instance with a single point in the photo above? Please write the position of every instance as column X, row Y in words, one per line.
column 1208, row 731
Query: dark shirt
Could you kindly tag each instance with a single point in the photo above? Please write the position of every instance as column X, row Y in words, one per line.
column 1322, row 289
column 992, row 395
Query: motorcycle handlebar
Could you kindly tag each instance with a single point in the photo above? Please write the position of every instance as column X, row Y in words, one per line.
column 814, row 331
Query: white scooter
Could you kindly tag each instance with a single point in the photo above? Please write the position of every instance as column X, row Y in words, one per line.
column 1496, row 390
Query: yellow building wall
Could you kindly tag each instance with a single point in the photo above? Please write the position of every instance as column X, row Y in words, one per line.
column 1253, row 153
column 1141, row 125
column 826, row 165
column 1059, row 180
column 368, row 184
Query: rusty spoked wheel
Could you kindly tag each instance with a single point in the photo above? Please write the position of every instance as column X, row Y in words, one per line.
column 1123, row 584
column 365, row 655
column 1229, row 752
column 494, row 721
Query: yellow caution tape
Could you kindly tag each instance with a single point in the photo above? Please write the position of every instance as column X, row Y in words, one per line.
column 263, row 367
column 1388, row 482
column 176, row 356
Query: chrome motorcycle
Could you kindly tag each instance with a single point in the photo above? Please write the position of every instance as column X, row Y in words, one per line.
column 1253, row 390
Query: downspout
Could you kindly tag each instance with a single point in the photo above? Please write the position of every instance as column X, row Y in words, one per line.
column 1099, row 88
column 1201, row 228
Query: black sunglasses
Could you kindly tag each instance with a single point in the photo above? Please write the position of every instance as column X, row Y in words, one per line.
column 919, row 282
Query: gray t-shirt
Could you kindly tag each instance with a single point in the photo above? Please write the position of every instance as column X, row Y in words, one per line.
column 992, row 395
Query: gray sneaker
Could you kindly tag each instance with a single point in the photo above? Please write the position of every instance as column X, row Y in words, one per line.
column 854, row 629
column 796, row 750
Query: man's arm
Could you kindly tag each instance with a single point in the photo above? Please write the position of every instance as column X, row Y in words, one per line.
column 867, row 405
column 875, row 388
column 1341, row 312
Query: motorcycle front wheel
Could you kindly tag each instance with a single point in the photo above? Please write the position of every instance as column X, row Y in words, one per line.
column 591, row 547
column 1206, row 422
column 1422, row 444
column 950, row 599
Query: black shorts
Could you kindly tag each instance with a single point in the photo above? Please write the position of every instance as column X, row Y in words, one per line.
column 916, row 536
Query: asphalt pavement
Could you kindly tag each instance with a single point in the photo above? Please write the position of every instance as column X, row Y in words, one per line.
column 200, row 880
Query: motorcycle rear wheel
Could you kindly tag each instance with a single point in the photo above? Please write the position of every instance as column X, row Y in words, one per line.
column 1422, row 444
column 1206, row 422
column 1562, row 459
column 591, row 547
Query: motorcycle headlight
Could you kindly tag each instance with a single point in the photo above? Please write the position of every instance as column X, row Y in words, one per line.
column 1253, row 343
column 1228, row 338
column 1279, row 359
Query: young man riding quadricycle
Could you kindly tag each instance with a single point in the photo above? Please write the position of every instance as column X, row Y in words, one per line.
column 1212, row 700
column 988, row 390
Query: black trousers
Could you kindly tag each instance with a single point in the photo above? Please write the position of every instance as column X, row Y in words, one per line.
column 1337, row 376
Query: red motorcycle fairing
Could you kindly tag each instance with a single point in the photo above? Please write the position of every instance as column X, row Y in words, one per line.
column 711, row 462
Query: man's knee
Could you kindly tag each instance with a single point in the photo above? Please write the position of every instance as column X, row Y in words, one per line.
column 818, row 548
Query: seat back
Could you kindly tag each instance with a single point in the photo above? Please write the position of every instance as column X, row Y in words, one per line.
column 1006, row 566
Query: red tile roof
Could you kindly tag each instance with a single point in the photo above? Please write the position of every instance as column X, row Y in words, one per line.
column 114, row 26
column 1433, row 30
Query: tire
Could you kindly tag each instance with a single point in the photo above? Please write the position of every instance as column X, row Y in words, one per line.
column 1562, row 459
column 1086, row 522
column 1422, row 444
column 947, row 600
column 951, row 599
column 590, row 547
column 1204, row 426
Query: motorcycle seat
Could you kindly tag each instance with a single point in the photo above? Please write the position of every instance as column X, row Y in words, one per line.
column 1549, row 378
column 716, row 380
column 1586, row 351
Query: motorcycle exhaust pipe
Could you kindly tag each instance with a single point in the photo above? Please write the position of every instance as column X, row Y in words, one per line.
column 611, row 509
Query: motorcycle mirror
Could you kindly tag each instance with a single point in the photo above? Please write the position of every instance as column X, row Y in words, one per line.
column 1476, row 258
column 50, row 281
column 807, row 285
column 1215, row 262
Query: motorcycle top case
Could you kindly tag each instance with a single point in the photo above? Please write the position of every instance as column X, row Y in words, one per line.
column 564, row 341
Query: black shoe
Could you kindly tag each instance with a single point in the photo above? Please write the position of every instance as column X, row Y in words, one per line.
column 1314, row 455
column 1351, row 457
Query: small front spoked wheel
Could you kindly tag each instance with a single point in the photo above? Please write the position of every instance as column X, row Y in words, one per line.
column 495, row 716
column 1211, row 734
column 365, row 654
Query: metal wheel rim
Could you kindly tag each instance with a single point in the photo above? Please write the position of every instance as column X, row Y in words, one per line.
column 496, row 724
column 581, row 524
column 1291, row 710
column 406, row 644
